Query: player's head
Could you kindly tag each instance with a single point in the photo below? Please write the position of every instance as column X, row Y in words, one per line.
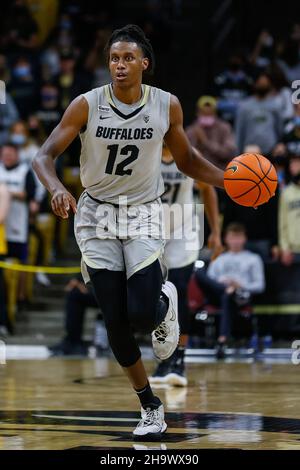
column 130, row 54
column 263, row 85
column 235, row 237
column 9, row 155
column 206, row 108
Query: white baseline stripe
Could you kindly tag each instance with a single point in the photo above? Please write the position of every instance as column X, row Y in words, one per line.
column 88, row 418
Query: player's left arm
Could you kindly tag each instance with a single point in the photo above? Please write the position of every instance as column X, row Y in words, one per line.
column 211, row 207
column 188, row 159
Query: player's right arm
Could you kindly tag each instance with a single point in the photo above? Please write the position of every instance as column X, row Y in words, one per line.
column 73, row 120
column 187, row 158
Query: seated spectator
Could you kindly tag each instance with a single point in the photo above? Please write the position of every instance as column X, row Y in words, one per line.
column 4, row 208
column 210, row 134
column 78, row 299
column 231, row 87
column 20, row 183
column 259, row 121
column 261, row 225
column 289, row 216
column 231, row 280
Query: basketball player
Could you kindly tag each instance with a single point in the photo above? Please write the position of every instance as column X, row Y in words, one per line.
column 181, row 251
column 122, row 127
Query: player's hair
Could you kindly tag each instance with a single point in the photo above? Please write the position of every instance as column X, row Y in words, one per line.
column 235, row 227
column 133, row 33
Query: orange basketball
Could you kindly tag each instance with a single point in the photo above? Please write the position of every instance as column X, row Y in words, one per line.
column 250, row 179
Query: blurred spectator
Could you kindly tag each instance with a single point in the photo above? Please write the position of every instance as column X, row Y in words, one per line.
column 289, row 61
column 4, row 208
column 20, row 182
column 263, row 52
column 259, row 121
column 210, row 134
column 289, row 146
column 78, row 299
column 231, row 279
column 71, row 82
column 261, row 225
column 23, row 86
column 8, row 115
column 231, row 87
column 281, row 92
column 27, row 148
column 49, row 111
column 36, row 130
column 96, row 61
column 289, row 216
column 19, row 33
column 290, row 143
column 8, row 111
column 50, row 62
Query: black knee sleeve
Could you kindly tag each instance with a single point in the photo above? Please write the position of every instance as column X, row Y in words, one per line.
column 144, row 307
column 110, row 291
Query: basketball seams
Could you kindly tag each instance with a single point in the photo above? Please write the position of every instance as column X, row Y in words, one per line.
column 248, row 190
column 265, row 174
column 256, row 174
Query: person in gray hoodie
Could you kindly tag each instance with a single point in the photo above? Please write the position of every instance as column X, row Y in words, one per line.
column 259, row 121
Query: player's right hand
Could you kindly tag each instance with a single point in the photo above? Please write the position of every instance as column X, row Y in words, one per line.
column 61, row 202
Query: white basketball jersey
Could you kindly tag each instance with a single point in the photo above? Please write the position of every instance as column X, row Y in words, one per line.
column 178, row 190
column 16, row 224
column 181, row 220
column 121, row 152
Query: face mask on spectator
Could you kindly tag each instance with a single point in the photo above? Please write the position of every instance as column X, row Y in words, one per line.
column 206, row 121
column 22, row 71
column 48, row 97
column 18, row 139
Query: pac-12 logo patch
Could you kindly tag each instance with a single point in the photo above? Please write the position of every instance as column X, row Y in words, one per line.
column 146, row 117
column 104, row 109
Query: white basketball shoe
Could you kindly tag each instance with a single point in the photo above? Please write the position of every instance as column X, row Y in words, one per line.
column 166, row 336
column 152, row 425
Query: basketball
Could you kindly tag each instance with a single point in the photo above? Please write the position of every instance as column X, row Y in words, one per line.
column 250, row 179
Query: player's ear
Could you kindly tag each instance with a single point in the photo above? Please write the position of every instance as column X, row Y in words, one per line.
column 145, row 63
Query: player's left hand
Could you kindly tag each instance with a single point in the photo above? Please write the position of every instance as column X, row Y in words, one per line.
column 215, row 244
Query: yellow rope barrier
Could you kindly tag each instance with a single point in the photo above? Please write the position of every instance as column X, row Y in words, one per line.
column 39, row 269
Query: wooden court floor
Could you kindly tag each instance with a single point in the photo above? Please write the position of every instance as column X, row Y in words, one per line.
column 88, row 404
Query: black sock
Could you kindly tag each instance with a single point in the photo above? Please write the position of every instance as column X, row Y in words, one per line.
column 147, row 398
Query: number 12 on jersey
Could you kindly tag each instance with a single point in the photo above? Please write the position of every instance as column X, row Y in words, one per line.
column 131, row 150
